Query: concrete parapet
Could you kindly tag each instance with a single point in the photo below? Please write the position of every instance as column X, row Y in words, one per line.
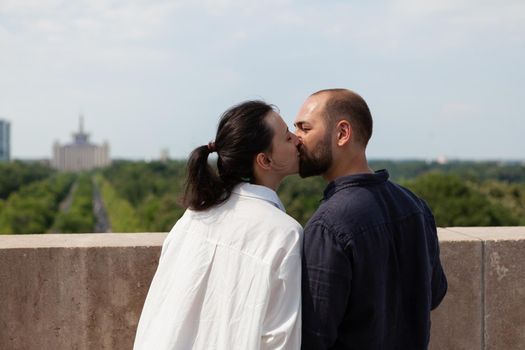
column 86, row 291
column 503, row 285
column 74, row 291
column 456, row 323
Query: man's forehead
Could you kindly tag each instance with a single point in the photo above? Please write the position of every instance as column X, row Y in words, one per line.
column 311, row 109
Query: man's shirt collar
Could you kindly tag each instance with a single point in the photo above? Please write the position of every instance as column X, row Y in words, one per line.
column 260, row 192
column 365, row 179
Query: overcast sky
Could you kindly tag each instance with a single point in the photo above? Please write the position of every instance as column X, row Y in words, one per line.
column 441, row 77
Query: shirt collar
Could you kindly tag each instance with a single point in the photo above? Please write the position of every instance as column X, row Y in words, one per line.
column 260, row 192
column 365, row 179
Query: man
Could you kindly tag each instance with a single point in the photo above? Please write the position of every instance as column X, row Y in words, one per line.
column 371, row 267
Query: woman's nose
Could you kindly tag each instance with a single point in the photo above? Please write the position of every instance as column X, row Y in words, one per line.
column 296, row 140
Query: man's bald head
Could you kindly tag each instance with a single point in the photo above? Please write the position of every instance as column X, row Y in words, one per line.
column 345, row 104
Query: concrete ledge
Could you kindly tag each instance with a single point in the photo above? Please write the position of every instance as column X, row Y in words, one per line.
column 503, row 287
column 456, row 323
column 85, row 291
column 74, row 291
column 82, row 240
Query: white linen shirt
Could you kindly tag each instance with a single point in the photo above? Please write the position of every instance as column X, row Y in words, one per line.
column 228, row 278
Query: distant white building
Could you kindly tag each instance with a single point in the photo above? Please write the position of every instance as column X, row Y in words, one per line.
column 5, row 141
column 81, row 154
column 164, row 155
column 442, row 160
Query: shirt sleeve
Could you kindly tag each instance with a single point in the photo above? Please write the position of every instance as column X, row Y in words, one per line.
column 327, row 275
column 439, row 283
column 282, row 323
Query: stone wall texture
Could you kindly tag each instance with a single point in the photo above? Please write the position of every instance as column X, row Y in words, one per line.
column 86, row 291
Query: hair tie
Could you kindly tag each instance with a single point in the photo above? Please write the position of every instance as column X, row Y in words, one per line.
column 211, row 147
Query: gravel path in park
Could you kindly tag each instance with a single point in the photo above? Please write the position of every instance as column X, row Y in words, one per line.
column 102, row 224
column 66, row 204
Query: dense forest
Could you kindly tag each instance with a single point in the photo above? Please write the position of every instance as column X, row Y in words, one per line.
column 144, row 196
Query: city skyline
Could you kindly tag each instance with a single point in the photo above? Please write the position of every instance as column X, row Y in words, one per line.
column 442, row 78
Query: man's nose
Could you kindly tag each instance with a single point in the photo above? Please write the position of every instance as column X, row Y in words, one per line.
column 298, row 133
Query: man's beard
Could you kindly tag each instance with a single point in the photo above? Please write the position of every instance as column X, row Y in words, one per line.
column 316, row 162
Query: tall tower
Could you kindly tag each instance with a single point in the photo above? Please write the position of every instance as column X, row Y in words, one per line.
column 5, row 140
column 81, row 138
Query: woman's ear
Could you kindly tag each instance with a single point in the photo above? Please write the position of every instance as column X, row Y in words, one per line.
column 344, row 132
column 263, row 161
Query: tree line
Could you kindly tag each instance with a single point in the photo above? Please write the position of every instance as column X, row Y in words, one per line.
column 144, row 196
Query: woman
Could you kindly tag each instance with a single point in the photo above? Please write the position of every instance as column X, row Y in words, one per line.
column 230, row 269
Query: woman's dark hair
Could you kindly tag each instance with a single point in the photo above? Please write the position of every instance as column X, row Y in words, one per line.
column 242, row 134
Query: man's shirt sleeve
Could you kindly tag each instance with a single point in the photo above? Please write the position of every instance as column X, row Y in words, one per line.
column 326, row 279
column 439, row 281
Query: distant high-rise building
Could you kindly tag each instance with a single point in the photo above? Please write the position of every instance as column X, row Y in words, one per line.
column 81, row 154
column 164, row 155
column 5, row 140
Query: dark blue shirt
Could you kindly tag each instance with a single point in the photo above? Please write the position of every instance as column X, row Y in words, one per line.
column 371, row 267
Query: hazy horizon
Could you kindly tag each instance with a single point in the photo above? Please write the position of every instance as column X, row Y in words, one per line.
column 370, row 159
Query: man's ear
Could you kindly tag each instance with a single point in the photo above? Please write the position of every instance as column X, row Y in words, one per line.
column 263, row 161
column 344, row 132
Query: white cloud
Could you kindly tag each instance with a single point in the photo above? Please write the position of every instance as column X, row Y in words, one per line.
column 130, row 19
column 54, row 32
column 423, row 28
column 29, row 7
column 417, row 8
column 470, row 15
column 459, row 110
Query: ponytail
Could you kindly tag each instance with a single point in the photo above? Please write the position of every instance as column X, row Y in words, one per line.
column 203, row 187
